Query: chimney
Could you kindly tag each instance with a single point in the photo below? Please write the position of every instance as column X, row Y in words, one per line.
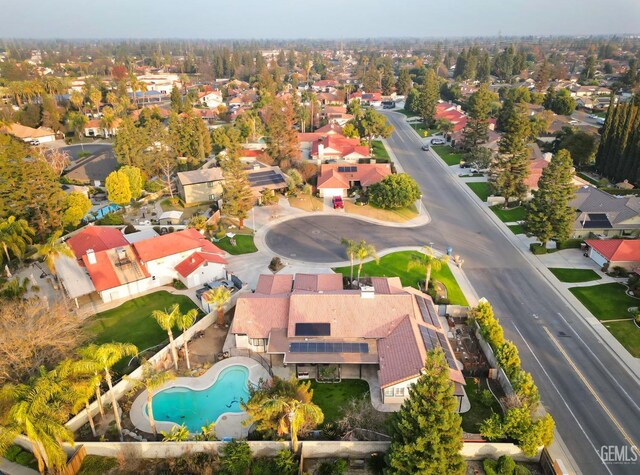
column 321, row 151
column 367, row 292
column 91, row 256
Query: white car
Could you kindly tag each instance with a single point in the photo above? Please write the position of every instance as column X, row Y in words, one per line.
column 438, row 141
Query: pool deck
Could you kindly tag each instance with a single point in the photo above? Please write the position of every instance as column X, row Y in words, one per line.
column 229, row 424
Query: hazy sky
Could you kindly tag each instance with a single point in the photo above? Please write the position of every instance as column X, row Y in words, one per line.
column 217, row 19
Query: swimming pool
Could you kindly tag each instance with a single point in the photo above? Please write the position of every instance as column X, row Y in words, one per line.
column 198, row 408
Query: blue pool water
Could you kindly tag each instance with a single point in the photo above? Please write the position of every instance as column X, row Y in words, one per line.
column 196, row 409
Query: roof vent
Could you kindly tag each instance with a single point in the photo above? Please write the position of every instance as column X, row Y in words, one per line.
column 367, row 292
column 91, row 256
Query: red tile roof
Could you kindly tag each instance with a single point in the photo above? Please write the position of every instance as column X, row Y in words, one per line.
column 106, row 275
column 318, row 282
column 339, row 145
column 195, row 260
column 260, row 314
column 328, row 129
column 366, row 173
column 617, row 250
column 98, row 238
column 174, row 243
column 274, row 284
column 310, row 136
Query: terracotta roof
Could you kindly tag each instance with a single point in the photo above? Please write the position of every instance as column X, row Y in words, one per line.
column 318, row 282
column 387, row 285
column 109, row 271
column 98, row 238
column 274, row 284
column 23, row 132
column 310, row 136
column 617, row 250
column 342, row 146
column 335, row 109
column 174, row 243
column 195, row 260
column 260, row 314
column 328, row 129
column 366, row 173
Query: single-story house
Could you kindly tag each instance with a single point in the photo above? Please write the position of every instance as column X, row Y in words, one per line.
column 29, row 134
column 612, row 253
column 197, row 186
column 311, row 322
column 338, row 147
column 211, row 99
column 602, row 214
column 94, row 128
column 336, row 179
column 262, row 177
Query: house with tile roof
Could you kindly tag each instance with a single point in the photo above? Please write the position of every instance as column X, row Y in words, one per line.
column 600, row 214
column 338, row 147
column 108, row 264
column 336, row 179
column 612, row 253
column 311, row 322
column 29, row 134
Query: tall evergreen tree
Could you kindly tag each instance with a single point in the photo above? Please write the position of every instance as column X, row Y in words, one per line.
column 548, row 213
column 479, row 108
column 129, row 143
column 511, row 166
column 404, row 83
column 282, row 143
column 427, row 436
column 237, row 198
column 428, row 97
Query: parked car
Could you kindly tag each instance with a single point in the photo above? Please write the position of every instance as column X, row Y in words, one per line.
column 438, row 141
column 425, row 147
column 337, row 202
column 35, row 142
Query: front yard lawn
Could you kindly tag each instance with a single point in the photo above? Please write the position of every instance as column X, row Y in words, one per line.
column 481, row 188
column 479, row 412
column 332, row 397
column 244, row 245
column 606, row 301
column 395, row 264
column 510, row 215
column 447, row 154
column 517, row 229
column 306, row 203
column 391, row 215
column 131, row 322
column 379, row 151
column 574, row 275
column 627, row 333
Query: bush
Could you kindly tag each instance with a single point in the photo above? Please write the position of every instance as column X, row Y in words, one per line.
column 569, row 244
column 332, row 467
column 377, row 463
column 286, row 463
column 486, row 398
column 263, row 466
column 276, row 264
column 537, row 248
column 12, row 453
column 153, row 186
column 112, row 219
column 236, row 458
column 25, row 458
column 178, row 285
column 130, row 229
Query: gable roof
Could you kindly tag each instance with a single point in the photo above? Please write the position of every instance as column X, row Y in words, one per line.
column 200, row 176
column 98, row 238
column 174, row 243
column 318, row 282
column 594, row 203
column 274, row 284
column 115, row 267
column 197, row 259
column 617, row 250
column 334, row 175
column 342, row 145
column 23, row 132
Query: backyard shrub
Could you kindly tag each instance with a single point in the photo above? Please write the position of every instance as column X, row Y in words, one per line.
column 153, row 186
column 509, row 359
column 263, row 466
column 503, row 466
column 537, row 248
column 332, row 467
column 236, row 458
column 569, row 244
column 26, row 459
column 286, row 463
column 112, row 219
column 12, row 452
column 486, row 398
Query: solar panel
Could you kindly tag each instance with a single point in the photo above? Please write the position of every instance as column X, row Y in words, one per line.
column 429, row 337
column 451, row 361
column 427, row 316
column 321, row 347
column 597, row 220
column 353, row 169
column 313, row 329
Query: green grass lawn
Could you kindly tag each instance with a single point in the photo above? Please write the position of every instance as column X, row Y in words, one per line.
column 395, row 264
column 131, row 322
column 244, row 245
column 93, row 464
column 586, row 177
column 606, row 301
column 517, row 229
column 627, row 333
column 423, row 130
column 472, row 419
column 406, row 112
column 378, row 150
column 574, row 275
column 447, row 154
column 482, row 189
column 331, row 397
column 510, row 215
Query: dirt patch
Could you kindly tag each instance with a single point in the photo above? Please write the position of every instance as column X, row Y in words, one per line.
column 306, row 203
column 203, row 349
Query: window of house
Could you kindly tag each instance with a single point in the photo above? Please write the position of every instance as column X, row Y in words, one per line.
column 210, row 184
column 258, row 341
column 399, row 392
column 388, row 392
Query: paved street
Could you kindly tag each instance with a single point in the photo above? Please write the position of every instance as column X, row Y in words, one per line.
column 591, row 395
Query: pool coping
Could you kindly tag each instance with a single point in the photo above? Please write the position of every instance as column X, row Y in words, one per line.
column 226, row 422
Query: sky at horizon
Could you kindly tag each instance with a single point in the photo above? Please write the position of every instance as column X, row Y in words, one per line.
column 329, row 19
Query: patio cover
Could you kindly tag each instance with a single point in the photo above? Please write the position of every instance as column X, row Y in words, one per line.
column 74, row 278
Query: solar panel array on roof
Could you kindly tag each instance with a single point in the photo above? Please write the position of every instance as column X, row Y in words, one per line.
column 433, row 339
column 426, row 315
column 597, row 220
column 347, row 169
column 322, row 347
column 313, row 329
column 268, row 177
column 451, row 361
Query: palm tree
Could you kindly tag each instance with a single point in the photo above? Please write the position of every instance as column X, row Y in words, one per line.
column 77, row 99
column 35, row 412
column 426, row 263
column 77, row 121
column 350, row 248
column 184, row 322
column 81, row 380
column 95, row 97
column 294, row 415
column 15, row 288
column 152, row 379
column 365, row 250
column 218, row 296
column 167, row 321
column 134, row 84
column 105, row 356
column 52, row 249
column 15, row 234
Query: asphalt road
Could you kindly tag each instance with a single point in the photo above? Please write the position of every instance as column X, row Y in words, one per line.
column 593, row 399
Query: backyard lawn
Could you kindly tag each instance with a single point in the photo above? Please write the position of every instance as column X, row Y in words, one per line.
column 378, row 150
column 447, row 154
column 395, row 264
column 574, row 275
column 510, row 215
column 606, row 301
column 391, row 215
column 244, row 244
column 331, row 397
column 475, row 416
column 131, row 322
column 481, row 188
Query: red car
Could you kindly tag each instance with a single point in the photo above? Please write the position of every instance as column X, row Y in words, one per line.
column 337, row 202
